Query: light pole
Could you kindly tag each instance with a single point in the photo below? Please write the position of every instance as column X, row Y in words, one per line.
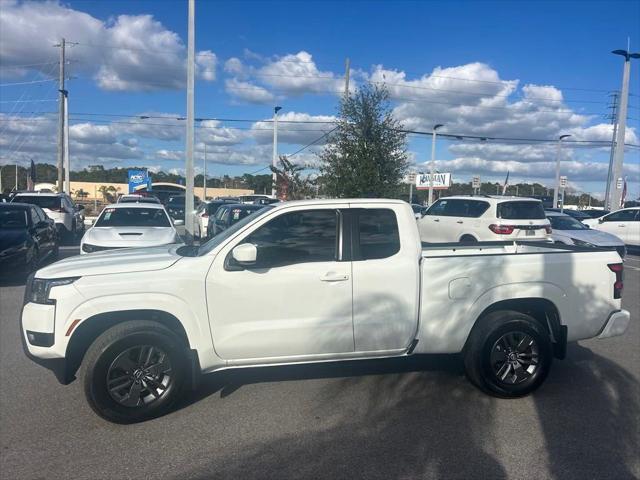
column 274, row 160
column 433, row 159
column 618, row 158
column 557, row 188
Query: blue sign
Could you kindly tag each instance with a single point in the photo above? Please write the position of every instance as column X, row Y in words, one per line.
column 138, row 178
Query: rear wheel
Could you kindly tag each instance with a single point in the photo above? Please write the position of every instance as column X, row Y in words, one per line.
column 468, row 239
column 134, row 371
column 508, row 354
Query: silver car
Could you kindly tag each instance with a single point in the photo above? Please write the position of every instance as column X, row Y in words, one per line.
column 570, row 231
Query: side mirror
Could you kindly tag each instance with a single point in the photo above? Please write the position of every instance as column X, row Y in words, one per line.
column 601, row 220
column 178, row 223
column 245, row 254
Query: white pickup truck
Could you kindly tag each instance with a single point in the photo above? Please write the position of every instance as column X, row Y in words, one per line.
column 313, row 281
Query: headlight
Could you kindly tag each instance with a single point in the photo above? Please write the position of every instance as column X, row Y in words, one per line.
column 87, row 247
column 582, row 243
column 38, row 290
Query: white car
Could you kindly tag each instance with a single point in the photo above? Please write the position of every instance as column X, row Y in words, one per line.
column 314, row 281
column 128, row 225
column 470, row 219
column 570, row 231
column 623, row 223
column 60, row 208
column 135, row 198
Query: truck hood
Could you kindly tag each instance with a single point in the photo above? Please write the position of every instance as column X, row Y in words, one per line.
column 113, row 261
column 129, row 236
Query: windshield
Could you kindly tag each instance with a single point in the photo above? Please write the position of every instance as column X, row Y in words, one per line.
column 566, row 223
column 521, row 210
column 13, row 218
column 51, row 203
column 222, row 236
column 133, row 217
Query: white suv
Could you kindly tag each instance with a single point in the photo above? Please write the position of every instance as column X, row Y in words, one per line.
column 470, row 219
column 60, row 208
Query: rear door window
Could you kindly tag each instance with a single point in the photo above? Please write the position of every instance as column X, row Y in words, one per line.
column 52, row 203
column 521, row 210
column 377, row 234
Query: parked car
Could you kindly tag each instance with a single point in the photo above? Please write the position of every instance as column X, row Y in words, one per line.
column 206, row 211
column 60, row 207
column 176, row 205
column 127, row 225
column 265, row 201
column 229, row 214
column 623, row 223
column 309, row 281
column 133, row 198
column 484, row 218
column 571, row 231
column 254, row 198
column 595, row 212
column 27, row 238
column 418, row 210
column 577, row 214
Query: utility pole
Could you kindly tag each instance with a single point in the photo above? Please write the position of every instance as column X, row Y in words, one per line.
column 274, row 159
column 204, row 182
column 347, row 74
column 433, row 161
column 188, row 204
column 62, row 90
column 67, row 167
column 557, row 187
column 16, row 187
column 618, row 158
column 615, row 97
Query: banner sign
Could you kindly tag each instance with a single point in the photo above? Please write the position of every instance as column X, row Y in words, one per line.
column 138, row 179
column 441, row 181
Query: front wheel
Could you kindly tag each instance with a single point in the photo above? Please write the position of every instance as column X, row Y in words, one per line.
column 134, row 371
column 508, row 354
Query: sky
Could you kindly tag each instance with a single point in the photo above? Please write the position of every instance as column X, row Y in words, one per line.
column 502, row 71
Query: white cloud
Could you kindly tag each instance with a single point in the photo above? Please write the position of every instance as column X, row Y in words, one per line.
column 294, row 133
column 130, row 52
column 248, row 92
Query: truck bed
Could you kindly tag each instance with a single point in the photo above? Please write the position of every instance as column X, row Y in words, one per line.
column 455, row 249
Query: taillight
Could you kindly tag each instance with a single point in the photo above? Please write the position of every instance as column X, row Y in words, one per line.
column 547, row 228
column 501, row 229
column 618, row 269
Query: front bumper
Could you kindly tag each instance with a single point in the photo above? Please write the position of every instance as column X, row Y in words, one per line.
column 56, row 365
column 616, row 324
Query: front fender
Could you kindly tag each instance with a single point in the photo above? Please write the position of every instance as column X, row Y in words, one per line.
column 194, row 322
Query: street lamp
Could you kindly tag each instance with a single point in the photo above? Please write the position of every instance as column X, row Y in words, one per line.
column 557, row 188
column 433, row 159
column 618, row 156
column 274, row 160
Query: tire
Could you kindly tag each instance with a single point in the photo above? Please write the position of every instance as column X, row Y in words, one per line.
column 468, row 239
column 499, row 358
column 135, row 345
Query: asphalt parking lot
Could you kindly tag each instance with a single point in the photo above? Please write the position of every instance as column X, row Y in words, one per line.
column 406, row 418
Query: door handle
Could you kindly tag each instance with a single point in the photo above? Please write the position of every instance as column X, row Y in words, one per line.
column 334, row 277
column 459, row 221
column 622, row 225
column 436, row 219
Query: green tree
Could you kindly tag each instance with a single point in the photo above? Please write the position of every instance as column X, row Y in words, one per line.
column 366, row 155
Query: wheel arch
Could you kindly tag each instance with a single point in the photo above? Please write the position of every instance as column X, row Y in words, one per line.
column 89, row 329
column 542, row 310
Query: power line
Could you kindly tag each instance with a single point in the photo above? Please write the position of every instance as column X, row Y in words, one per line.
column 27, row 83
column 28, row 65
column 312, row 143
